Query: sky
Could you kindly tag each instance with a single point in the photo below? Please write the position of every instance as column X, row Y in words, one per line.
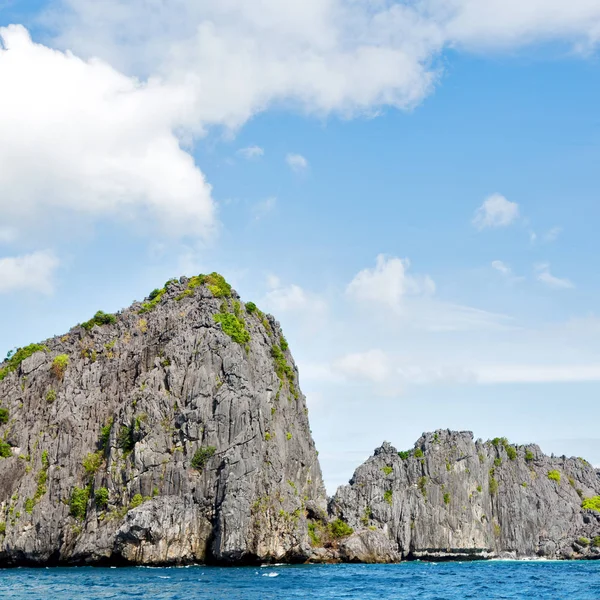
column 411, row 188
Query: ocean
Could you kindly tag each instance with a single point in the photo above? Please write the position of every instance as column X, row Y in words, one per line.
column 424, row 581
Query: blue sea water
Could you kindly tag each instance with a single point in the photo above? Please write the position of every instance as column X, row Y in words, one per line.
column 425, row 581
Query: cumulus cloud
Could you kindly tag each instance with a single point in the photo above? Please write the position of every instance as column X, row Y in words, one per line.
column 496, row 211
column 544, row 275
column 322, row 55
column 296, row 162
column 251, row 152
column 81, row 138
column 293, row 298
column 32, row 272
column 389, row 282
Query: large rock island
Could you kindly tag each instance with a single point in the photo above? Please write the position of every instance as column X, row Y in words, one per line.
column 175, row 432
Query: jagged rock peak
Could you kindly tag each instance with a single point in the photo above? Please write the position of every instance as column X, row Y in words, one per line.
column 451, row 497
column 171, row 432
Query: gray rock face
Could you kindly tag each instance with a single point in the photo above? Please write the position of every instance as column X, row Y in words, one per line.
column 454, row 498
column 164, row 383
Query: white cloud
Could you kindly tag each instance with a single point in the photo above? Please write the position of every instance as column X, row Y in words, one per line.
column 371, row 365
column 293, row 298
column 296, row 162
column 496, row 211
column 544, row 275
column 502, row 268
column 33, row 272
column 81, row 138
column 242, row 56
column 388, row 283
column 264, row 207
column 513, row 23
column 251, row 152
column 524, row 373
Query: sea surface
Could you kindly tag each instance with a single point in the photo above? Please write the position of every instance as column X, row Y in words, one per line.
column 444, row 581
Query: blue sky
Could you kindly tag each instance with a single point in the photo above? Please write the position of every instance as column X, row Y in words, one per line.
column 422, row 221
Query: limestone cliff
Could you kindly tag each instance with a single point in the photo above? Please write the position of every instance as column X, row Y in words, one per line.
column 455, row 498
column 172, row 432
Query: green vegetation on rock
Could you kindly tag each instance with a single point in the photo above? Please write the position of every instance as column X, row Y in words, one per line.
column 554, row 475
column 5, row 450
column 16, row 358
column 283, row 370
column 59, row 365
column 404, row 454
column 340, row 529
column 387, row 470
column 125, row 439
column 4, row 416
column 446, row 498
column 422, row 485
column 418, row 453
column 233, row 326
column 100, row 318
column 493, row 485
column 136, row 501
column 592, row 503
column 101, row 498
column 201, row 457
column 583, row 541
column 387, row 496
column 78, row 502
column 91, row 463
column 105, row 434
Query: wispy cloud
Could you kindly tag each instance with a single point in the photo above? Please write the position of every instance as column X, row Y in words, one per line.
column 502, row 267
column 544, row 275
column 296, row 162
column 264, row 207
column 552, row 235
column 251, row 152
column 496, row 211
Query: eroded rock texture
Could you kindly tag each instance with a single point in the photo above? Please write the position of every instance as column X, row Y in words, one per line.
column 166, row 384
column 455, row 498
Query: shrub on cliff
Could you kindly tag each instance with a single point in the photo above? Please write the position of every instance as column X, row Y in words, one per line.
column 201, row 457
column 78, row 502
column 5, row 450
column 59, row 366
column 591, row 503
column 554, row 475
column 100, row 318
column 340, row 529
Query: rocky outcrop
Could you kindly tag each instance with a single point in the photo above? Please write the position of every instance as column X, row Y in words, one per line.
column 453, row 498
column 172, row 432
column 176, row 432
